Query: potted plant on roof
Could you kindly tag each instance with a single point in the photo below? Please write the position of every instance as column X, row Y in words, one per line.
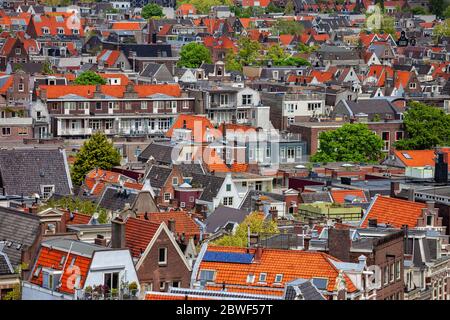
column 114, row 294
column 133, row 288
column 88, row 293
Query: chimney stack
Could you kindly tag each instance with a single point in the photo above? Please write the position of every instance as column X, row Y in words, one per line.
column 274, row 214
column 411, row 194
column 118, row 233
column 339, row 243
column 258, row 254
column 395, row 187
column 100, row 240
column 172, row 225
column 441, row 168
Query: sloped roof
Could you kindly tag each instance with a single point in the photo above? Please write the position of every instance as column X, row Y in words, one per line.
column 292, row 264
column 184, row 224
column 340, row 195
column 24, row 171
column 416, row 158
column 114, row 200
column 138, row 234
column 222, row 215
column 210, row 184
column 396, row 212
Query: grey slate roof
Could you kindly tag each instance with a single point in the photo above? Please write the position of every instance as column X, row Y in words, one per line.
column 158, row 176
column 24, row 171
column 18, row 228
column 210, row 184
column 369, row 106
column 150, row 70
column 248, row 202
column 188, row 169
column 5, row 266
column 162, row 153
column 311, row 197
column 114, row 200
column 222, row 215
column 79, row 247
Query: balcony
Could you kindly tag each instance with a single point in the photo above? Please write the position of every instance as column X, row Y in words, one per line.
column 102, row 292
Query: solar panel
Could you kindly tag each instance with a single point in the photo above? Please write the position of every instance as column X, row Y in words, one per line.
column 230, row 257
column 320, row 283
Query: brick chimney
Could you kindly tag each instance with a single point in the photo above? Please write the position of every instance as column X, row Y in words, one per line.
column 258, row 254
column 339, row 243
column 274, row 214
column 118, row 233
column 395, row 187
column 171, row 225
column 100, row 240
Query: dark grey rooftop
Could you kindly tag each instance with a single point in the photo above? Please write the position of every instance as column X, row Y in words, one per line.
column 75, row 246
column 114, row 200
column 222, row 215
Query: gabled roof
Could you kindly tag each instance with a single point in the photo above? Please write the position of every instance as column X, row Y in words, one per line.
column 416, row 158
column 210, row 184
column 158, row 176
column 64, row 255
column 128, row 25
column 291, row 264
column 115, row 198
column 20, row 230
column 108, row 57
column 184, row 224
column 162, row 153
column 138, row 234
column 198, row 125
column 395, row 212
column 25, row 171
column 5, row 266
column 223, row 215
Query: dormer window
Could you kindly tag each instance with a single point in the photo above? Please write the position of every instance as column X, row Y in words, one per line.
column 45, row 30
column 251, row 278
column 278, row 278
column 262, row 277
column 75, row 31
column 60, row 30
column 430, row 221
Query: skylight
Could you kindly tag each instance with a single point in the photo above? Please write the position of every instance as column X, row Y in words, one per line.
column 406, row 155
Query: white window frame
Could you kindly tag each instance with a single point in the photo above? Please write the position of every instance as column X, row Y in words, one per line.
column 163, row 262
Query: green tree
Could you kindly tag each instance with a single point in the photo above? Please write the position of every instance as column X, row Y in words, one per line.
column 272, row 8
column 248, row 54
column 279, row 57
column 352, row 142
column 47, row 68
column 442, row 29
column 151, row 10
column 14, row 294
column 89, row 78
column 204, row 6
column 426, row 127
column 437, row 7
column 79, row 205
column 97, row 152
column 289, row 9
column 418, row 10
column 258, row 225
column 288, row 27
column 193, row 54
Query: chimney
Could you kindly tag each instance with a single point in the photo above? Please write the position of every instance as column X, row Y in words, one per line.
column 172, row 225
column 306, row 240
column 339, row 243
column 259, row 205
column 373, row 223
column 430, row 206
column 118, row 233
column 411, row 194
column 395, row 187
column 258, row 254
column 274, row 214
column 146, row 215
column 254, row 239
column 405, row 229
column 100, row 240
column 441, row 168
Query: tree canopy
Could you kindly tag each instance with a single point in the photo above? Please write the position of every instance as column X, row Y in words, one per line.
column 79, row 205
column 288, row 27
column 442, row 29
column 437, row 7
column 97, row 152
column 279, row 57
column 352, row 142
column 152, row 10
column 193, row 54
column 248, row 54
column 89, row 77
column 426, row 127
column 258, row 225
column 204, row 6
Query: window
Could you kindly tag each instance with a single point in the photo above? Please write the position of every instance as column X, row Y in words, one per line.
column 143, row 105
column 207, row 275
column 47, row 280
column 283, row 153
column 412, row 85
column 21, row 86
column 162, row 256
column 176, row 284
column 246, row 99
column 37, row 272
column 166, row 196
column 182, row 204
column 258, row 186
column 75, row 31
column 111, row 279
column 98, row 105
column 127, row 105
column 275, row 75
column 18, row 51
column 298, row 152
column 262, row 277
column 250, row 278
column 391, row 273
column 314, row 106
column 175, row 181
column 398, row 135
column 61, row 262
column 430, row 220
column 60, row 30
column 228, row 201
column 397, row 270
column 45, row 30
column 228, row 187
column 191, row 199
column 386, row 275
column 23, row 131
column 224, row 99
column 244, row 184
column 162, row 286
column 278, row 278
column 47, row 191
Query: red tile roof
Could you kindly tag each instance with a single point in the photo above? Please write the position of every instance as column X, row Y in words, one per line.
column 174, row 296
column 199, row 126
column 79, row 218
column 108, row 57
column 184, row 224
column 127, row 25
column 339, row 195
column 292, row 264
column 396, row 212
column 87, row 91
column 138, row 234
column 416, row 158
column 56, row 20
column 51, row 258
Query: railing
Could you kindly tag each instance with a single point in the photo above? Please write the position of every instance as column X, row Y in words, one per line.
column 108, row 295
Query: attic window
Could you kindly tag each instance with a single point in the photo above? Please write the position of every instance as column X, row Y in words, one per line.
column 207, row 275
column 250, row 278
column 61, row 262
column 406, row 155
column 45, row 30
column 60, row 30
column 262, row 277
column 278, row 278
column 37, row 271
